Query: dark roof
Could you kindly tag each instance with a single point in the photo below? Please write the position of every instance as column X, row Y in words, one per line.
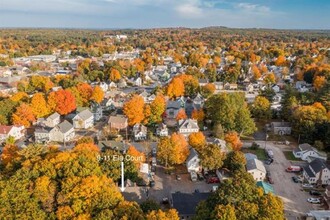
column 309, row 171
column 173, row 104
column 186, row 203
column 192, row 154
column 65, row 126
column 317, row 165
column 114, row 145
column 304, row 147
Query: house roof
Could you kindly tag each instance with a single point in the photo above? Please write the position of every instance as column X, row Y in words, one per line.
column 173, row 104
column 309, row 172
column 85, row 114
column 4, row 129
column 117, row 119
column 193, row 153
column 54, row 116
column 203, row 81
column 281, row 124
column 266, row 187
column 250, row 156
column 198, row 98
column 255, row 164
column 186, row 203
column 320, row 214
column 317, row 165
column 304, row 147
column 42, row 130
column 114, row 145
column 188, row 124
column 65, row 126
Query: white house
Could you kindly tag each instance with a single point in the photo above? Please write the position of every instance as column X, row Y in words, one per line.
column 257, row 169
column 140, row 132
column 52, row 120
column 162, row 130
column 112, row 85
column 62, row 132
column 193, row 161
column 17, row 132
column 83, row 119
column 308, row 153
column 42, row 134
column 317, row 172
column 187, row 126
column 199, row 100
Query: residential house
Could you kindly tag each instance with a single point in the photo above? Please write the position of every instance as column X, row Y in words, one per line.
column 186, row 203
column 139, row 132
column 144, row 95
column 317, row 172
column 112, row 85
column 250, row 156
column 326, row 197
column 83, row 119
column 281, row 128
column 137, row 81
column 203, row 82
column 42, row 134
column 249, row 87
column 318, row 215
column 218, row 86
column 308, row 153
column 121, row 83
column 17, row 132
column 118, row 122
column 62, row 132
column 193, row 161
column 230, row 86
column 104, row 86
column 187, row 126
column 52, row 120
column 97, row 111
column 276, row 88
column 257, row 169
column 199, row 100
column 221, row 144
column 162, row 130
column 7, row 89
column 172, row 109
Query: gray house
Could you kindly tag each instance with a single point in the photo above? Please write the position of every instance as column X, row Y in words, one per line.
column 62, row 133
column 281, row 128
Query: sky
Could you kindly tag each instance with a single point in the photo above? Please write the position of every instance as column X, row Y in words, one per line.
column 279, row 14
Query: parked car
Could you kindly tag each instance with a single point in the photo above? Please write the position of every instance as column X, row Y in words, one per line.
column 270, row 180
column 269, row 161
column 314, row 200
column 200, row 177
column 165, row 201
column 153, row 161
column 295, row 179
column 152, row 183
column 315, row 193
column 307, row 186
column 178, row 177
column 213, row 179
column 153, row 152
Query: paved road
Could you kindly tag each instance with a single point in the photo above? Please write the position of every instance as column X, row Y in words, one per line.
column 295, row 200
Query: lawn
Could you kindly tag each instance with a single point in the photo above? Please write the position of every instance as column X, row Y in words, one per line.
column 289, row 156
column 260, row 152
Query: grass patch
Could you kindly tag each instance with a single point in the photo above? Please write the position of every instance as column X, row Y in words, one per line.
column 289, row 156
column 260, row 152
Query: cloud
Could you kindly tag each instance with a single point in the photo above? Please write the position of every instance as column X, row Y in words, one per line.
column 252, row 7
column 189, row 10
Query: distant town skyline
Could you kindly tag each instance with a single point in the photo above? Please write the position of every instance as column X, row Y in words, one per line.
column 278, row 14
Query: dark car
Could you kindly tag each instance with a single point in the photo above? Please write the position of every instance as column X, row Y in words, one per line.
column 200, row 177
column 269, row 161
column 152, row 183
column 315, row 193
column 270, row 180
column 295, row 179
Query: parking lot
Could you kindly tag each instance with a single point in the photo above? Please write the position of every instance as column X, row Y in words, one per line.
column 294, row 198
column 166, row 184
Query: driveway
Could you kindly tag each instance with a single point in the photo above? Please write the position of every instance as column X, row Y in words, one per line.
column 295, row 200
column 165, row 185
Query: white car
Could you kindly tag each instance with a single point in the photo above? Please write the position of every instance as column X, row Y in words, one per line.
column 307, row 186
column 314, row 200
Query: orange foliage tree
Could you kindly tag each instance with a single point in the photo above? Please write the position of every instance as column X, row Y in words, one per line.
column 319, row 82
column 175, row 88
column 181, row 115
column 9, row 153
column 280, row 61
column 65, row 102
column 270, row 78
column 114, row 75
column 139, row 157
column 198, row 115
column 197, row 140
column 180, row 148
column 256, row 72
column 39, row 105
column 23, row 115
column 19, row 96
column 97, row 94
column 233, row 140
column 208, row 89
column 85, row 91
column 157, row 108
column 134, row 110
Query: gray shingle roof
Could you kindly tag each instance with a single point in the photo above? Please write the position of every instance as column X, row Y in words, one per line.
column 186, row 203
column 54, row 116
column 173, row 104
column 85, row 114
column 305, row 147
column 65, row 126
column 317, row 165
column 255, row 164
column 188, row 124
column 309, row 171
column 192, row 154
